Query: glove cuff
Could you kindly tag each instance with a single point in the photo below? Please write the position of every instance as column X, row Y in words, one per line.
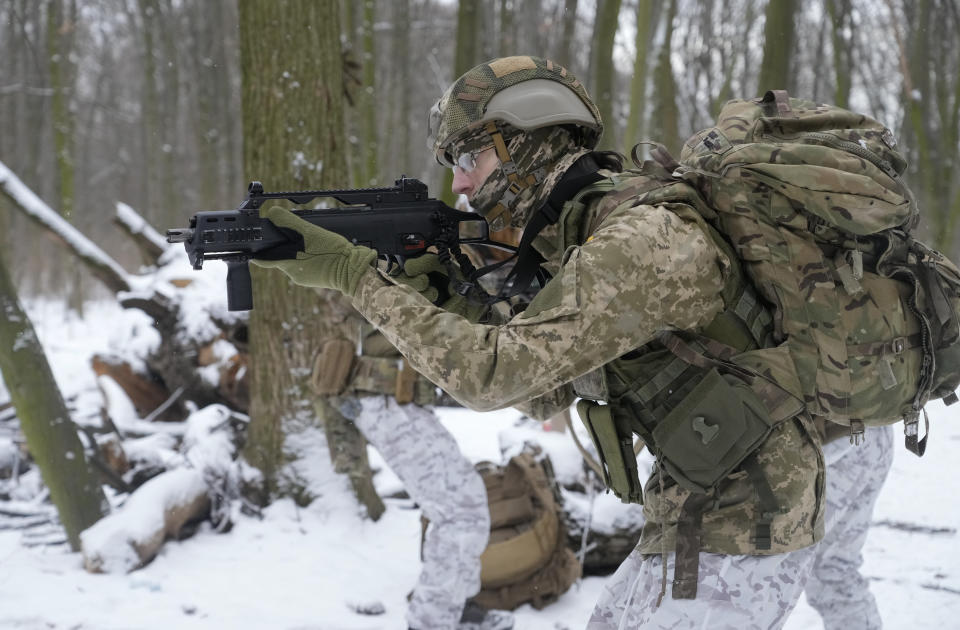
column 359, row 261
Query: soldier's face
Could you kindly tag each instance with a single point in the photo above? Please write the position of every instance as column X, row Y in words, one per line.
column 466, row 182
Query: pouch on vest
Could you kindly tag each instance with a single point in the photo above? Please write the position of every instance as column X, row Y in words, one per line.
column 614, row 444
column 711, row 431
column 331, row 368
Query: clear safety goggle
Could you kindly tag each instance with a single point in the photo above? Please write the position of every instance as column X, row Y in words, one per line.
column 467, row 161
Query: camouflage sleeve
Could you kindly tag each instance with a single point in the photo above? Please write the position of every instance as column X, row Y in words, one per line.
column 544, row 407
column 643, row 271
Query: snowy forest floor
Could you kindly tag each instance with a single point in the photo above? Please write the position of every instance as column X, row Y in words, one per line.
column 312, row 568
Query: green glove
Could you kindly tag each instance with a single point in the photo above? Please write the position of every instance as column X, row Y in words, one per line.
column 426, row 274
column 328, row 261
column 429, row 277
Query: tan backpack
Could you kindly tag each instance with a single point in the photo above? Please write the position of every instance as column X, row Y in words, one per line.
column 527, row 559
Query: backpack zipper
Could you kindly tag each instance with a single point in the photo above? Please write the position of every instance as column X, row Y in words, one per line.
column 854, row 148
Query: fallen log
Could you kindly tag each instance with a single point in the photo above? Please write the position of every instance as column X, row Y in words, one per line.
column 131, row 537
column 145, row 393
column 174, row 362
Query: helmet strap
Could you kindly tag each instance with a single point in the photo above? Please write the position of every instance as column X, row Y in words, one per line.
column 582, row 173
column 502, row 212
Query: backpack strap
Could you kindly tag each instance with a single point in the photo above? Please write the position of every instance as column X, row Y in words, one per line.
column 911, row 432
column 776, row 103
column 781, row 404
column 767, row 505
column 689, row 534
column 582, row 174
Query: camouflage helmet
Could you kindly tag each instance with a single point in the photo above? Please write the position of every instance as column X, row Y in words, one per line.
column 525, row 92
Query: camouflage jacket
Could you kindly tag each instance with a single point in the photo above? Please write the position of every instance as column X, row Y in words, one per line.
column 641, row 270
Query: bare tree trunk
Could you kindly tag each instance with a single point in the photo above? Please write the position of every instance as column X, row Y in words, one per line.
column 206, row 127
column 665, row 121
column 289, row 323
column 564, row 47
column 778, row 37
column 150, row 116
column 60, row 55
column 638, row 84
column 464, row 58
column 729, row 55
column 401, row 96
column 508, row 28
column 748, row 77
column 45, row 421
column 368, row 101
column 169, row 113
column 605, row 29
column 841, row 26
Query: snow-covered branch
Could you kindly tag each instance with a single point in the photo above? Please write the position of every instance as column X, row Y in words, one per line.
column 147, row 239
column 101, row 264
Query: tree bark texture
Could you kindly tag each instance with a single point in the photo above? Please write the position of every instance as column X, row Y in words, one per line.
column 60, row 28
column 293, row 138
column 564, row 48
column 464, row 57
column 665, row 124
column 605, row 29
column 368, row 101
column 839, row 12
column 44, row 419
column 636, row 118
column 778, row 36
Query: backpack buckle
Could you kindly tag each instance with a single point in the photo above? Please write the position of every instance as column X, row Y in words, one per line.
column 857, row 431
column 898, row 345
column 911, row 425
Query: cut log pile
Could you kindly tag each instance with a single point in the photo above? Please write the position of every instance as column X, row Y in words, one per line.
column 172, row 420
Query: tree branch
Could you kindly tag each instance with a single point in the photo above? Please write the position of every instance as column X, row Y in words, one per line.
column 147, row 239
column 100, row 264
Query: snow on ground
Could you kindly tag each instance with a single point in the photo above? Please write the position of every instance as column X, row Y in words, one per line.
column 313, row 568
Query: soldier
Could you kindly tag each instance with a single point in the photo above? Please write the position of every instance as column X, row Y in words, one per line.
column 520, row 134
column 365, row 392
column 367, row 387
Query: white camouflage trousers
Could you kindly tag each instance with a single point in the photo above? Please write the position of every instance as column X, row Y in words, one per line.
column 450, row 493
column 758, row 592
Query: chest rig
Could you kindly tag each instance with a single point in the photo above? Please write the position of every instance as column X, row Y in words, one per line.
column 702, row 403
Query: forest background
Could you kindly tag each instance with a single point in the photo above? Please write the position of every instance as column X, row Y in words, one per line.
column 140, row 100
column 172, row 106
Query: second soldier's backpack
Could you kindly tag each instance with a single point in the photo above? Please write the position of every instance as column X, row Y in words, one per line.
column 527, row 560
column 811, row 198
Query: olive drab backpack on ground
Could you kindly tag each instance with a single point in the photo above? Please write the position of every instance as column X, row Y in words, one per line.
column 527, row 559
column 811, row 198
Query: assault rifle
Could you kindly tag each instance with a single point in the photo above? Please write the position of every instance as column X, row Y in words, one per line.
column 398, row 222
